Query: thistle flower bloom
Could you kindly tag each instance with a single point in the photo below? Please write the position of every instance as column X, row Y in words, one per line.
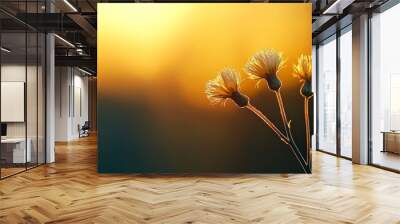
column 266, row 64
column 226, row 86
column 303, row 70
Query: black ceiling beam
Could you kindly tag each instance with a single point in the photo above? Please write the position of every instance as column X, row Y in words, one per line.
column 81, row 61
column 18, row 22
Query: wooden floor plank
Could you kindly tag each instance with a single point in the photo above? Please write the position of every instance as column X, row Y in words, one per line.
column 71, row 191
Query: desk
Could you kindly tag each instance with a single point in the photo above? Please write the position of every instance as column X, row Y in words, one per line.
column 15, row 148
column 391, row 141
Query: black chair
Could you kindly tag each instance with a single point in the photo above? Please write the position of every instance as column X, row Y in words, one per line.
column 84, row 130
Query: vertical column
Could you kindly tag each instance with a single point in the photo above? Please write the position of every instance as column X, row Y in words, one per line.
column 338, row 91
column 50, row 92
column 50, row 98
column 360, row 89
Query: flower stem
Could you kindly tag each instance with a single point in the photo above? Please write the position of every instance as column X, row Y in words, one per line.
column 289, row 135
column 282, row 111
column 284, row 138
column 268, row 122
column 303, row 166
column 297, row 153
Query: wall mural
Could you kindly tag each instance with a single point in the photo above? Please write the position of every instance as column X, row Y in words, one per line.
column 266, row 65
column 157, row 90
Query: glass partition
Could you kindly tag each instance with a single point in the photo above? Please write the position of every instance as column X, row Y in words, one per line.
column 31, row 100
column 22, row 91
column 14, row 153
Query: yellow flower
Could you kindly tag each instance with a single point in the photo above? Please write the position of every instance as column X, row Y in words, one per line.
column 226, row 86
column 303, row 69
column 266, row 64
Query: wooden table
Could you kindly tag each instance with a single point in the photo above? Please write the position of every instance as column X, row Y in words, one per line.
column 391, row 141
column 13, row 150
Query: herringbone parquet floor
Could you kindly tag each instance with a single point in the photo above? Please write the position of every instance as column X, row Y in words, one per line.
column 70, row 191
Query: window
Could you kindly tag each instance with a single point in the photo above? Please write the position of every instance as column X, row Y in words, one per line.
column 327, row 95
column 385, row 89
column 314, row 89
column 346, row 93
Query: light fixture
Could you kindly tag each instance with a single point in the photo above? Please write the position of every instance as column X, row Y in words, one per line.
column 80, row 51
column 65, row 41
column 5, row 50
column 84, row 71
column 337, row 7
column 70, row 5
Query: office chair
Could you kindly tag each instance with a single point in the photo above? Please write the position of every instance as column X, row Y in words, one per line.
column 84, row 130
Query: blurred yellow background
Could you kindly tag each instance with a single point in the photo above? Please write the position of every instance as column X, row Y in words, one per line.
column 177, row 47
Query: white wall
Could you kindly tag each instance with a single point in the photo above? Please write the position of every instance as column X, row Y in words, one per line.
column 62, row 82
column 80, row 111
column 71, row 102
column 16, row 73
